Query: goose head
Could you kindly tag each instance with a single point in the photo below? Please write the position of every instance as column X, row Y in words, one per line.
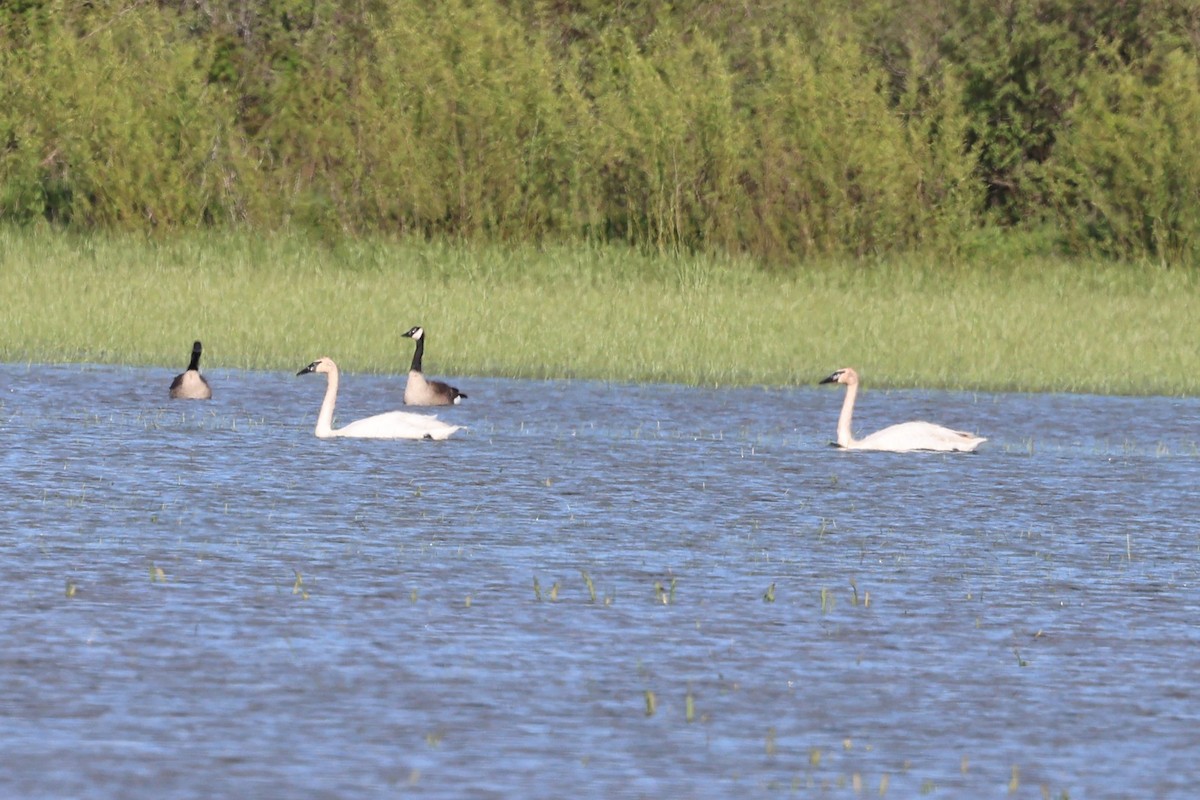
column 415, row 332
column 845, row 375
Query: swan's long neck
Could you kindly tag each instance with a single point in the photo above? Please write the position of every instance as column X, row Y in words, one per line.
column 420, row 351
column 325, row 418
column 845, row 439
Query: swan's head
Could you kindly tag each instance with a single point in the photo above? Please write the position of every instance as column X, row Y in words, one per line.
column 320, row 365
column 415, row 332
column 845, row 375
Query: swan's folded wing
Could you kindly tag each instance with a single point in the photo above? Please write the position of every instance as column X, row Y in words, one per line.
column 399, row 425
column 919, row 436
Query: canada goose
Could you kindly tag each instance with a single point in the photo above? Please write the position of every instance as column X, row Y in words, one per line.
column 392, row 425
column 896, row 438
column 421, row 392
column 190, row 385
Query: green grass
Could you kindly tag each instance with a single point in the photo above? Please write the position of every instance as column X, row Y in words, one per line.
column 277, row 302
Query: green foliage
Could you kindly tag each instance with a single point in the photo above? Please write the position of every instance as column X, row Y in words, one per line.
column 837, row 171
column 782, row 131
column 111, row 125
column 1017, row 66
column 1127, row 171
column 663, row 159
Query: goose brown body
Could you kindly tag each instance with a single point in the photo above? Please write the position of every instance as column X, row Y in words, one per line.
column 190, row 384
column 420, row 391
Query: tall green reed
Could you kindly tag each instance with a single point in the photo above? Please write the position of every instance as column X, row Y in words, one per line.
column 276, row 302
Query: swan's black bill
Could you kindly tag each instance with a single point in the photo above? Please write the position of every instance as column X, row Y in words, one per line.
column 831, row 379
column 310, row 368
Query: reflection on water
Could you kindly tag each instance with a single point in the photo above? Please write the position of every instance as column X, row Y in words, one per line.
column 203, row 600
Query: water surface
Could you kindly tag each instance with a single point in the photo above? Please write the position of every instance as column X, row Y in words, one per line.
column 201, row 599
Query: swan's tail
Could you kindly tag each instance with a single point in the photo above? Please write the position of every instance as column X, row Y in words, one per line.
column 441, row 434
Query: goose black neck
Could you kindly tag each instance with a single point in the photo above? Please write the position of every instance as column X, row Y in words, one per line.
column 194, row 364
column 420, row 351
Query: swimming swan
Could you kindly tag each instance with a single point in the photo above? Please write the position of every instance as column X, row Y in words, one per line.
column 422, row 392
column 898, row 438
column 392, row 425
column 190, row 385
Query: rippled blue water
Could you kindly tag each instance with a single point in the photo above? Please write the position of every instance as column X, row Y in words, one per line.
column 204, row 600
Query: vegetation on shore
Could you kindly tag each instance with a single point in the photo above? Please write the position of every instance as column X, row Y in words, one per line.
column 942, row 193
column 782, row 131
column 600, row 312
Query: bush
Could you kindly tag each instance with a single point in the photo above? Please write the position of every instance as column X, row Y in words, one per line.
column 1127, row 175
column 782, row 131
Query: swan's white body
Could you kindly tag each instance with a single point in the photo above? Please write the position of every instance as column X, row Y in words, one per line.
column 392, row 425
column 905, row 437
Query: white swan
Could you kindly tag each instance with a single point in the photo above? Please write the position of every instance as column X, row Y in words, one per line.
column 392, row 425
column 191, row 385
column 897, row 438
